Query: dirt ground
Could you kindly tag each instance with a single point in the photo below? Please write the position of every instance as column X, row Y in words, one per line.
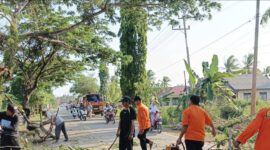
column 95, row 134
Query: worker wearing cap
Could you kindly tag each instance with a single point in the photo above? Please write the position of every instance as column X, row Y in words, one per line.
column 10, row 135
column 194, row 121
column 260, row 125
column 143, row 117
column 126, row 127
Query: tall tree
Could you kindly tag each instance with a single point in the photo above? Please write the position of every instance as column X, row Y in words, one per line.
column 114, row 91
column 84, row 84
column 165, row 82
column 133, row 40
column 39, row 39
column 231, row 64
column 103, row 78
column 151, row 75
column 248, row 63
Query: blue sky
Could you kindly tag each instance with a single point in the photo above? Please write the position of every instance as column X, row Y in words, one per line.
column 166, row 47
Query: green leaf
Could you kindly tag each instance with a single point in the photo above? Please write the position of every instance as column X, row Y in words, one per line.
column 192, row 77
column 214, row 65
column 210, row 93
column 265, row 17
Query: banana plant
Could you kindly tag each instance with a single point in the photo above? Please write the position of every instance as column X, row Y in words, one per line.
column 212, row 84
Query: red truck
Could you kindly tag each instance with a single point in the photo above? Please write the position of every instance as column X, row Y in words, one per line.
column 96, row 101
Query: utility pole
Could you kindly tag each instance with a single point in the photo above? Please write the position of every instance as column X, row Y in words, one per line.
column 185, row 33
column 254, row 73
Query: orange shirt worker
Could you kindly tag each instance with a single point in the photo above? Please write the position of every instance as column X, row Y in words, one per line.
column 194, row 121
column 143, row 117
column 260, row 125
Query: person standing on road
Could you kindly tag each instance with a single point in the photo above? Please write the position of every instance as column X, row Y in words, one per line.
column 9, row 124
column 193, row 122
column 260, row 125
column 59, row 123
column 89, row 110
column 143, row 122
column 126, row 127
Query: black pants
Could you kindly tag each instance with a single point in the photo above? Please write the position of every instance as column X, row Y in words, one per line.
column 125, row 143
column 143, row 139
column 9, row 142
column 58, row 129
column 194, row 145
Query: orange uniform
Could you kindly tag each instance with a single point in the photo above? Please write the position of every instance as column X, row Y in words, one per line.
column 143, row 117
column 260, row 124
column 195, row 118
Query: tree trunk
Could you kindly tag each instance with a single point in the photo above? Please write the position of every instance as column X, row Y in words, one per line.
column 26, row 97
column 26, row 101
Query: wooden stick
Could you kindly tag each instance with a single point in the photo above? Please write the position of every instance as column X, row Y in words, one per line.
column 113, row 143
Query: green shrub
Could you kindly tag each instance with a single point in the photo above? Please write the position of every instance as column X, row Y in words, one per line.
column 242, row 103
column 170, row 115
column 229, row 111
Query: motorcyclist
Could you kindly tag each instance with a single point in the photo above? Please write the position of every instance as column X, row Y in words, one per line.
column 82, row 110
column 153, row 111
column 109, row 111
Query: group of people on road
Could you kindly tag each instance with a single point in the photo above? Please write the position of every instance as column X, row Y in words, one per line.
column 80, row 110
column 194, row 120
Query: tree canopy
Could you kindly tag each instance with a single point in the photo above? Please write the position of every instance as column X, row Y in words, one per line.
column 84, row 84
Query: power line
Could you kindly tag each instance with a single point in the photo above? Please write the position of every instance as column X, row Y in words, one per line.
column 151, row 49
column 221, row 37
column 160, row 33
column 211, row 43
column 174, row 34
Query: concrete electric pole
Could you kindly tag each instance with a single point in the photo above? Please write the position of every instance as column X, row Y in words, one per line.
column 254, row 73
column 185, row 33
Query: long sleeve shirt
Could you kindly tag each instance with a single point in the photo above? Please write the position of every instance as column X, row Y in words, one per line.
column 260, row 125
column 9, row 124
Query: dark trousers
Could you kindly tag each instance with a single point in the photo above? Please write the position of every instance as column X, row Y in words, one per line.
column 194, row 145
column 9, row 143
column 125, row 143
column 143, row 139
column 58, row 129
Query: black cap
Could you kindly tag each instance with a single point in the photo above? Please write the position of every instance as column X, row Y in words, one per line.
column 125, row 99
column 11, row 108
column 136, row 98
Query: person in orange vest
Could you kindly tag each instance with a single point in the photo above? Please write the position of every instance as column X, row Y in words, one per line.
column 143, row 117
column 194, row 121
column 260, row 125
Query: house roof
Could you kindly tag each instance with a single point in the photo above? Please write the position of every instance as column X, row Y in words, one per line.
column 244, row 82
column 173, row 91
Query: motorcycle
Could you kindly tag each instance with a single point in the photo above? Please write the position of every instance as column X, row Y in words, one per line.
column 109, row 116
column 157, row 123
column 74, row 112
column 82, row 114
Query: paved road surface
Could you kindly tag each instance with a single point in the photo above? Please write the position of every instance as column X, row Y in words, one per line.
column 94, row 134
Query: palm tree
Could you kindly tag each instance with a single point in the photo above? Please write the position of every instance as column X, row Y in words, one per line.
column 248, row 63
column 266, row 71
column 265, row 16
column 165, row 82
column 231, row 64
column 151, row 75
